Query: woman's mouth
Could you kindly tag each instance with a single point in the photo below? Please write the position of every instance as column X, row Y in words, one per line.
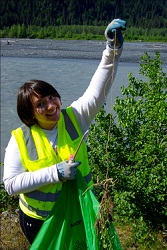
column 54, row 113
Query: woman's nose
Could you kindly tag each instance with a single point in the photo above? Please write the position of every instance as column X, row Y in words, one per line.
column 50, row 104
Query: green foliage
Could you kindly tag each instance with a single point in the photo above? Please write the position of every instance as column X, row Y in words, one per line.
column 6, row 200
column 81, row 32
column 133, row 151
column 146, row 34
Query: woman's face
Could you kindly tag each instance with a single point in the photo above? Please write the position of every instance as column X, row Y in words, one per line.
column 46, row 111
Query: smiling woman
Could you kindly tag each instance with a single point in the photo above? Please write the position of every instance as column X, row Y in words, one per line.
column 38, row 100
column 46, row 111
column 36, row 164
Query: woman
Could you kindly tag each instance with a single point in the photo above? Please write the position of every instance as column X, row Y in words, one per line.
column 37, row 156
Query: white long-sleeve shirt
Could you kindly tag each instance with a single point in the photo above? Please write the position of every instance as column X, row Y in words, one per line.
column 16, row 178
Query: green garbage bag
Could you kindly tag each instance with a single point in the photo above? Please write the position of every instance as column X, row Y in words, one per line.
column 71, row 223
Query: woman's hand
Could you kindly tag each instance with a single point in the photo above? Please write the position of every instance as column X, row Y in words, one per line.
column 66, row 170
column 113, row 33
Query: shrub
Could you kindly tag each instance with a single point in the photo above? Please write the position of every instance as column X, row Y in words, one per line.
column 133, row 150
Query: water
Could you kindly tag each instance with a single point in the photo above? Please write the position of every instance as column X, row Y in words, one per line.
column 69, row 76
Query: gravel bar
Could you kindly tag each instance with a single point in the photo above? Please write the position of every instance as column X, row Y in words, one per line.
column 77, row 49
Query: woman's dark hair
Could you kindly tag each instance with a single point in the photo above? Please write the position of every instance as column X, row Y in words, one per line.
column 24, row 98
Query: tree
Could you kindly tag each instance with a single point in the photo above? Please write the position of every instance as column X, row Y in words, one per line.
column 133, row 151
column 100, row 12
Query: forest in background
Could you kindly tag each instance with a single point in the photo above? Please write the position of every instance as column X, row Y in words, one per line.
column 69, row 19
column 43, row 13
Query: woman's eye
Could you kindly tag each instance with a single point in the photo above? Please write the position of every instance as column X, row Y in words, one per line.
column 40, row 104
column 50, row 97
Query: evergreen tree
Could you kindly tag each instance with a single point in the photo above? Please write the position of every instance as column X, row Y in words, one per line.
column 84, row 12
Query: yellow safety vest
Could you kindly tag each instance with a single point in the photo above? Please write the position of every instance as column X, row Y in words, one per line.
column 36, row 152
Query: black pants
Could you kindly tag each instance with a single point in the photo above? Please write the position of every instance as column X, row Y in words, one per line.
column 29, row 226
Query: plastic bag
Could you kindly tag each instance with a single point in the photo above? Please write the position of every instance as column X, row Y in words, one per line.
column 71, row 223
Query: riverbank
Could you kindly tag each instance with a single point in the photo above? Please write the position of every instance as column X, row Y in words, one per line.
column 77, row 49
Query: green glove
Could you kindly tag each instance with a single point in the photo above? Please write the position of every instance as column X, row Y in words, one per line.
column 113, row 33
column 67, row 171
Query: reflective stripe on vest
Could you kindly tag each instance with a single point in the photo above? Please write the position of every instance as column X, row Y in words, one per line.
column 70, row 126
column 39, row 212
column 52, row 197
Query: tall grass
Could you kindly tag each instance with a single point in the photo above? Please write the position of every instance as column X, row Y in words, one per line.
column 81, row 32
